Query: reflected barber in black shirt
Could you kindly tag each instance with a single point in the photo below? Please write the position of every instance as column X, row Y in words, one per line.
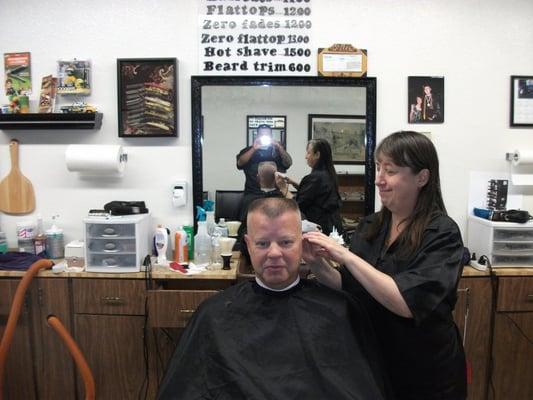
column 405, row 263
column 264, row 148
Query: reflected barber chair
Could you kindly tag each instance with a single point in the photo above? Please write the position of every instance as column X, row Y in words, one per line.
column 53, row 322
column 228, row 204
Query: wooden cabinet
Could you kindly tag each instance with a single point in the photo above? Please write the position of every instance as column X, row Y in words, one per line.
column 56, row 370
column 21, row 353
column 473, row 316
column 352, row 192
column 109, row 326
column 39, row 364
column 513, row 332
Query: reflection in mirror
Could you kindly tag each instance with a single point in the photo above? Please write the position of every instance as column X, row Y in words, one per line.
column 222, row 107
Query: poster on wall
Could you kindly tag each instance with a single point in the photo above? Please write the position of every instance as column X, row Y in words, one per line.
column 256, row 38
column 425, row 100
column 17, row 68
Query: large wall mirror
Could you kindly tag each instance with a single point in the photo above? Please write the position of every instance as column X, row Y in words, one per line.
column 221, row 110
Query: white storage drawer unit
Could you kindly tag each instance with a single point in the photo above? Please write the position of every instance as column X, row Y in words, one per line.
column 506, row 244
column 117, row 243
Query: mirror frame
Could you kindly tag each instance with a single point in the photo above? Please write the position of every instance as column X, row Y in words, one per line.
column 198, row 82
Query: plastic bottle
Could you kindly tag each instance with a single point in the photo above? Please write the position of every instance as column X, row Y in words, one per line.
column 202, row 245
column 216, row 257
column 39, row 241
column 181, row 249
column 161, row 244
column 54, row 241
column 210, row 219
column 222, row 227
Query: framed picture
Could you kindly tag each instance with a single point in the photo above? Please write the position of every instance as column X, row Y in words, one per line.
column 521, row 100
column 74, row 77
column 425, row 100
column 277, row 124
column 147, row 97
column 345, row 134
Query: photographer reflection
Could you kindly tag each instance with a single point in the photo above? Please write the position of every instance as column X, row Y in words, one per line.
column 264, row 148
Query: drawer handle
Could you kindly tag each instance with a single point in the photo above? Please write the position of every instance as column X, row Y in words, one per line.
column 111, row 299
column 187, row 311
column 530, row 296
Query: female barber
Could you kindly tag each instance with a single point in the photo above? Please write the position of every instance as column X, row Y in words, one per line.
column 405, row 263
column 318, row 193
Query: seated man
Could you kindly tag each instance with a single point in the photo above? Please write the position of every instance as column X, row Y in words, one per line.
column 277, row 336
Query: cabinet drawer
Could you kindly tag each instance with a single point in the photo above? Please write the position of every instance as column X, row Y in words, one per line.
column 111, row 246
column 513, row 235
column 111, row 260
column 515, row 294
column 174, row 308
column 110, row 230
column 109, row 296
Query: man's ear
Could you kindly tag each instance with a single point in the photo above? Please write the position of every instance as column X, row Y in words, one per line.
column 247, row 240
column 422, row 178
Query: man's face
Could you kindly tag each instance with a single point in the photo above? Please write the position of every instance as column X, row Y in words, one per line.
column 427, row 90
column 275, row 247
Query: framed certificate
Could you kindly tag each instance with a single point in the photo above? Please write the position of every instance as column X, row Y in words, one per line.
column 342, row 60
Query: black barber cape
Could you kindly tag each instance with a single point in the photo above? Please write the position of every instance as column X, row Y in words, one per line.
column 247, row 342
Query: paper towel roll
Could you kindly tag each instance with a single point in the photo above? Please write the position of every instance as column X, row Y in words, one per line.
column 95, row 159
column 523, row 157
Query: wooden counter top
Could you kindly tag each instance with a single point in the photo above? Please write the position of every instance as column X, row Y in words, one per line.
column 158, row 272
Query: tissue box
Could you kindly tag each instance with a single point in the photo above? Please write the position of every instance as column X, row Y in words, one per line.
column 75, row 254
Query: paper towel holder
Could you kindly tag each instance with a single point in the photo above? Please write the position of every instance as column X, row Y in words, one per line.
column 511, row 156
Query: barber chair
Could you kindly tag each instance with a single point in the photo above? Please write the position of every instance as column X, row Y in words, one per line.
column 228, row 204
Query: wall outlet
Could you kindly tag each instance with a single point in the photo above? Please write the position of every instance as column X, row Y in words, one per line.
column 179, row 194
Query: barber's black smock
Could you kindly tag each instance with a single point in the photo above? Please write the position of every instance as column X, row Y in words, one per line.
column 249, row 343
column 320, row 201
column 424, row 355
column 251, row 184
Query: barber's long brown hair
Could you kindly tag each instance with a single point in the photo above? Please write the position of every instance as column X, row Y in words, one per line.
column 415, row 151
column 325, row 161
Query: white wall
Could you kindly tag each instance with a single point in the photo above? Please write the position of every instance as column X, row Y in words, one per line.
column 475, row 44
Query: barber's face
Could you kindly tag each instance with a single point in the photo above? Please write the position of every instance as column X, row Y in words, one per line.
column 398, row 186
column 275, row 247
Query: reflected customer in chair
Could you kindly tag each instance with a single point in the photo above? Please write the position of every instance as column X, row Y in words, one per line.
column 266, row 176
column 276, row 336
column 317, row 193
column 264, row 148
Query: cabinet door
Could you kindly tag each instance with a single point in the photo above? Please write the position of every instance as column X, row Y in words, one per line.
column 114, row 348
column 512, row 349
column 472, row 316
column 55, row 366
column 19, row 379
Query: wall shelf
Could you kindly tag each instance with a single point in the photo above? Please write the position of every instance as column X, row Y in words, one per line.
column 51, row 121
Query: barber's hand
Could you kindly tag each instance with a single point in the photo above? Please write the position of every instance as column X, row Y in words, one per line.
column 316, row 244
column 257, row 143
column 281, row 183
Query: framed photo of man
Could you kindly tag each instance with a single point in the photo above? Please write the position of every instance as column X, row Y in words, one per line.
column 344, row 133
column 425, row 100
column 521, row 101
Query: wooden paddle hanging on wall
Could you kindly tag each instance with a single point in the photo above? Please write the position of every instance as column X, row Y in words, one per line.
column 16, row 191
